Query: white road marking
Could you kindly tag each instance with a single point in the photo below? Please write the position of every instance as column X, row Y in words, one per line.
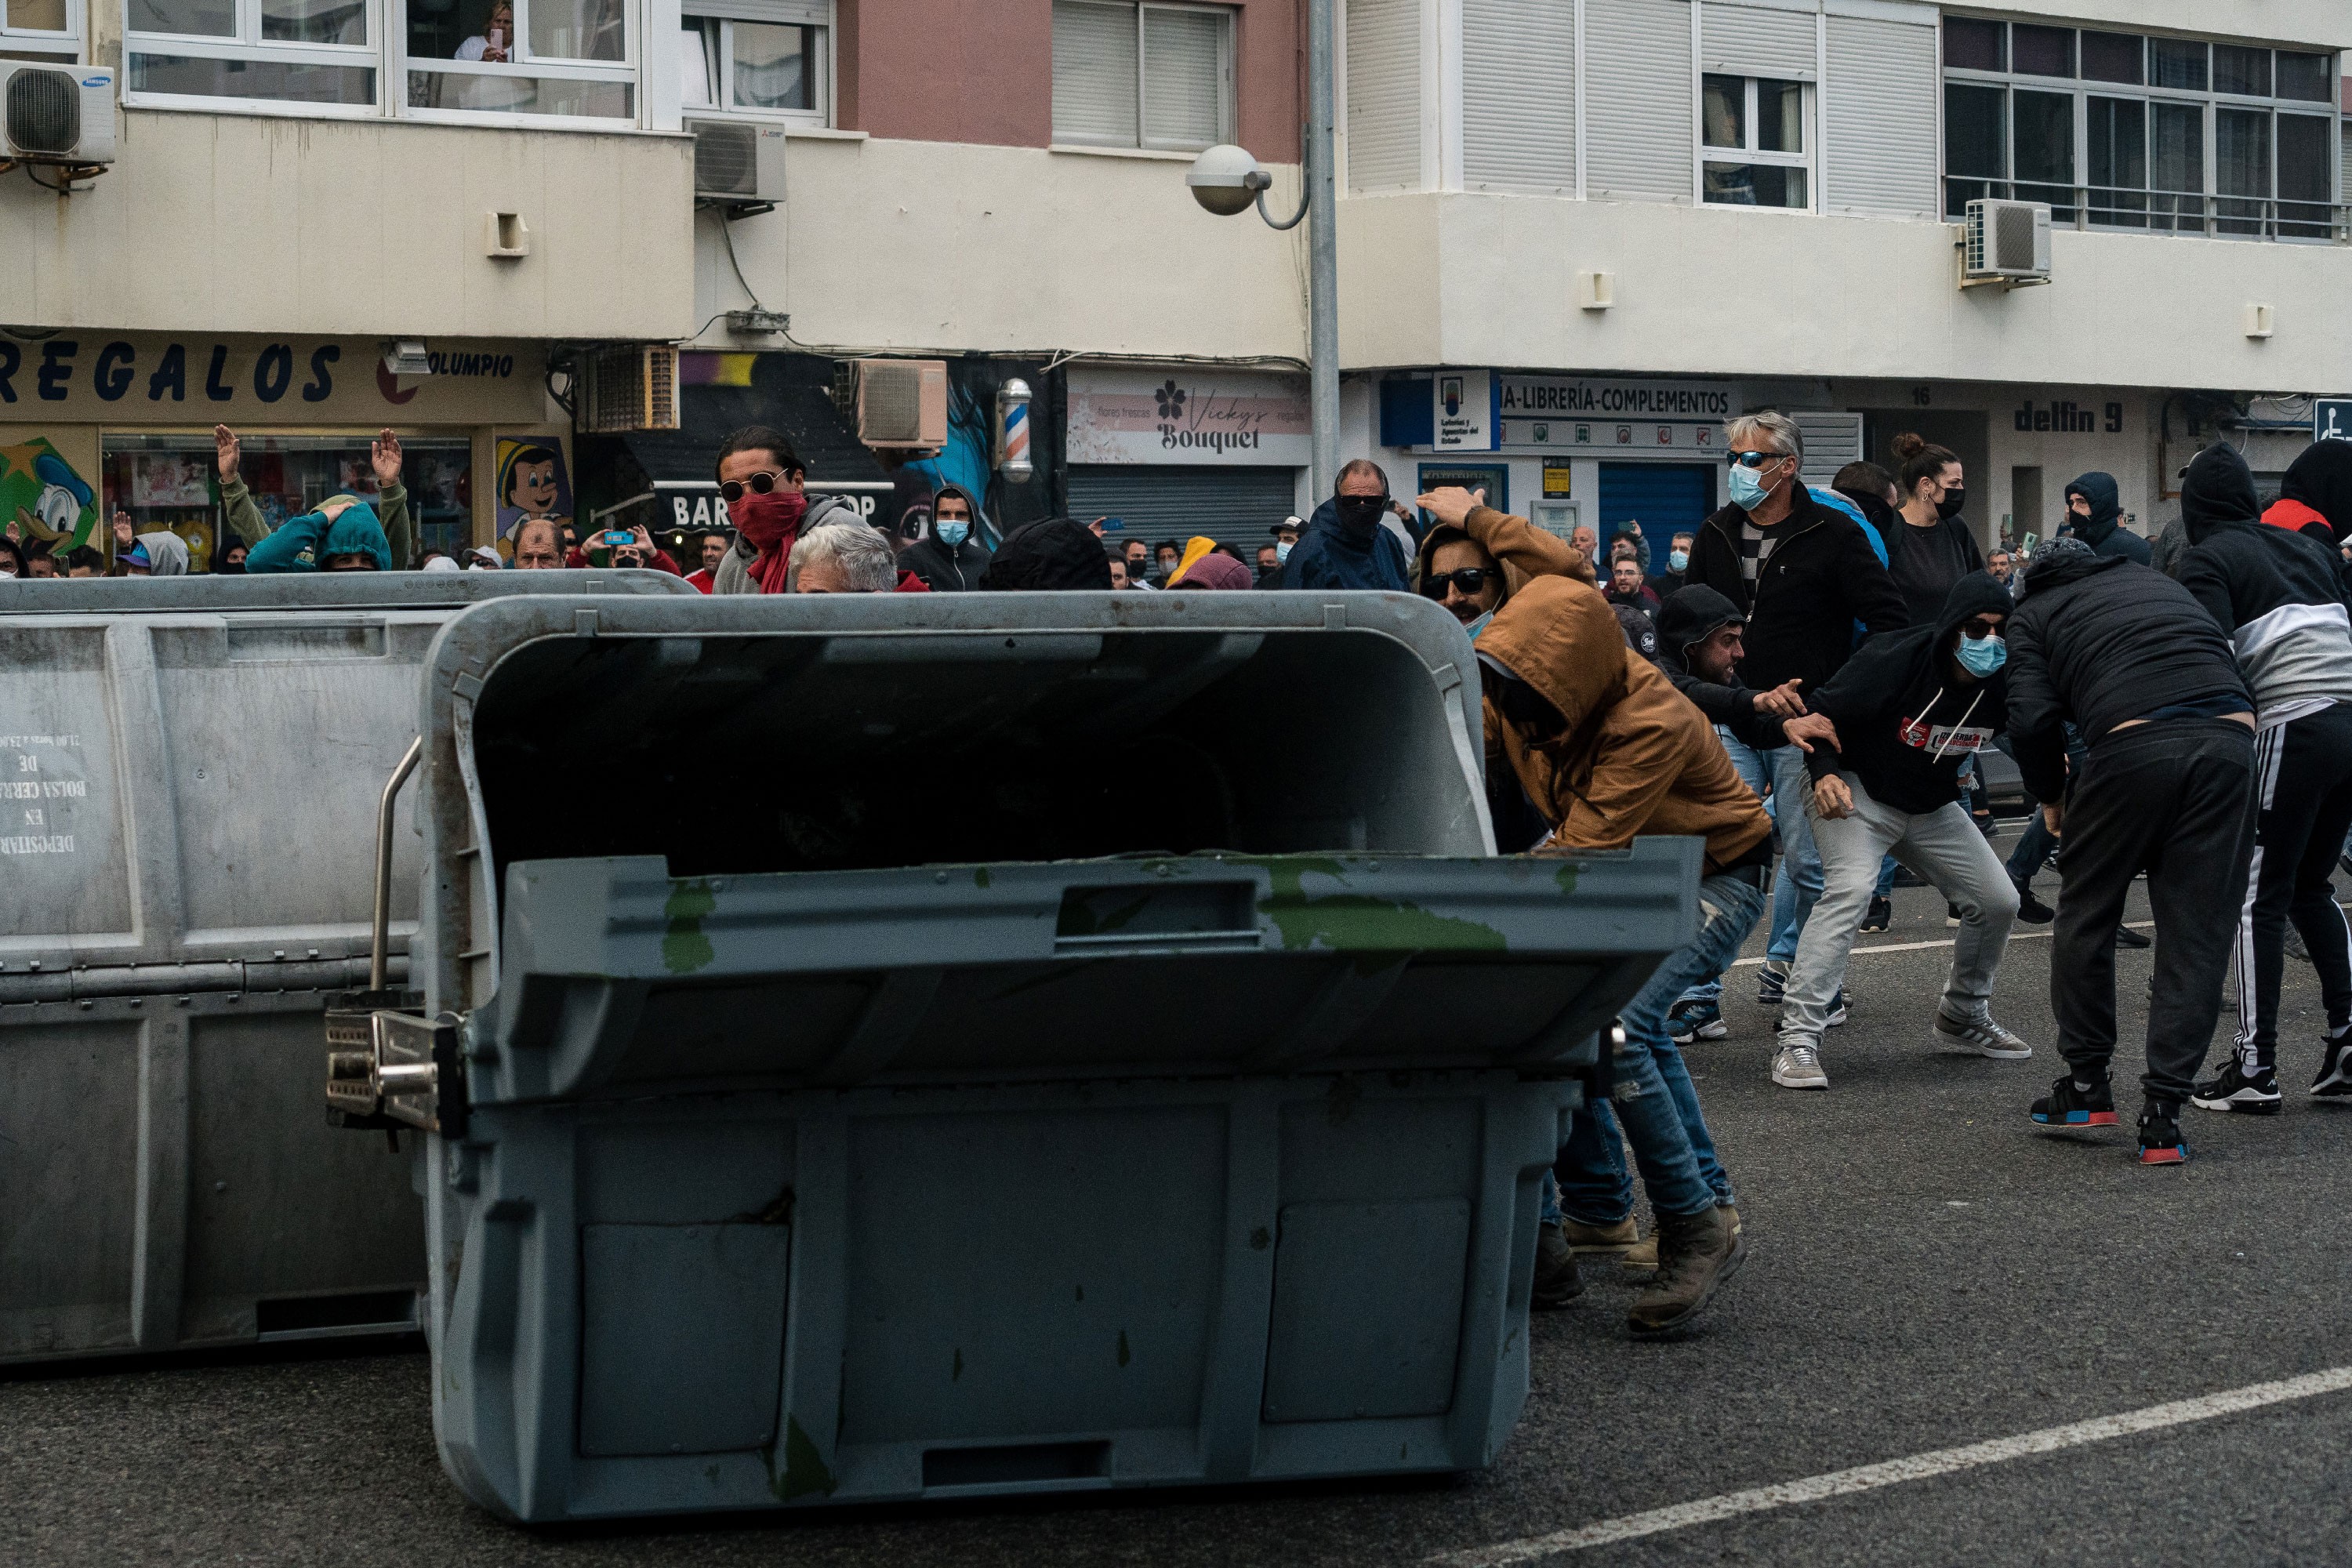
column 1893, row 1472
column 1922, row 946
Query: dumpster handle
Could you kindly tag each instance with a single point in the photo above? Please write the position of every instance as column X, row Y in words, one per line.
column 378, row 959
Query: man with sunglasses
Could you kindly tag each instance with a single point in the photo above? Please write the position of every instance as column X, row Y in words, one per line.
column 1470, row 550
column 1910, row 709
column 1803, row 574
column 1345, row 545
column 761, row 480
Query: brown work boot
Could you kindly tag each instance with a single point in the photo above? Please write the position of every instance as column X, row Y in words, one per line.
column 1557, row 1280
column 1696, row 1253
column 1642, row 1258
column 1600, row 1237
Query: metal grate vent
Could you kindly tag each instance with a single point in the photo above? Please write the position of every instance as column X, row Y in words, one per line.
column 43, row 111
column 726, row 159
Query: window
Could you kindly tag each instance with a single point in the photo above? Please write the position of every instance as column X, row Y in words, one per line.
column 1763, row 121
column 758, row 56
column 289, row 52
column 2203, row 138
column 567, row 57
column 1131, row 75
column 166, row 482
column 32, row 28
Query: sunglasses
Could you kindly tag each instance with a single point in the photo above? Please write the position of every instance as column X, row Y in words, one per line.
column 1977, row 629
column 759, row 484
column 1753, row 459
column 1470, row 580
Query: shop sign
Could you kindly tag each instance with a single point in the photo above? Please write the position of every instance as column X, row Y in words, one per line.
column 1576, row 397
column 2068, row 420
column 1463, row 415
column 1617, row 437
column 1207, row 416
column 2331, row 419
column 162, row 379
column 1558, row 481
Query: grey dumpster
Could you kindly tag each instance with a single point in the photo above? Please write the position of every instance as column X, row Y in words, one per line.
column 1087, row 1041
column 188, row 771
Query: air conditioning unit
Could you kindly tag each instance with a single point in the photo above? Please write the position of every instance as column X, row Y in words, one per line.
column 901, row 403
column 633, row 387
column 736, row 160
column 57, row 114
column 2006, row 242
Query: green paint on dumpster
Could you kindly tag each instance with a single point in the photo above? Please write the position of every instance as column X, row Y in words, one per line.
column 805, row 1472
column 1566, row 878
column 1358, row 921
column 684, row 948
column 980, row 877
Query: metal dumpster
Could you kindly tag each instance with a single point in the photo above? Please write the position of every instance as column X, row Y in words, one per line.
column 188, row 769
column 1087, row 1041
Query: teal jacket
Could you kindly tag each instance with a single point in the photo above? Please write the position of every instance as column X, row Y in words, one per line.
column 304, row 544
column 392, row 507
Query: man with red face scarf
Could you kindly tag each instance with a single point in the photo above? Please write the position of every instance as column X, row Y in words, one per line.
column 761, row 479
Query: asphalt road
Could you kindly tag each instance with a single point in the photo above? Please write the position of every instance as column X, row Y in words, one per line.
column 1927, row 1271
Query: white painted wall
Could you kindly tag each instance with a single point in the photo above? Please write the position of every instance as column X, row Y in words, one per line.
column 232, row 223
column 1478, row 280
column 931, row 245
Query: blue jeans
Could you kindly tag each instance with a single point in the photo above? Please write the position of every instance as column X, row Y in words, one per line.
column 1653, row 1094
column 1800, row 882
column 1748, row 763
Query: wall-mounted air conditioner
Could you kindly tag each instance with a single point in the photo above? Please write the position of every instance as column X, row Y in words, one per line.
column 737, row 161
column 2005, row 242
column 57, row 114
column 901, row 403
column 632, row 387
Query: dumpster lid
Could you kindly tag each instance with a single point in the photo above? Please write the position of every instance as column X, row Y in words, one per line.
column 314, row 590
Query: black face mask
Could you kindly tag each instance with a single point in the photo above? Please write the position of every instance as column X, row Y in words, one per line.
column 1949, row 507
column 1359, row 514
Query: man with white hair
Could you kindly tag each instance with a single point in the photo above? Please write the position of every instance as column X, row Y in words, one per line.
column 842, row 558
column 1805, row 577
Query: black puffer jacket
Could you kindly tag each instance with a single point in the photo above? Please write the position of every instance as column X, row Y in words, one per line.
column 1822, row 577
column 2097, row 639
column 1906, row 721
column 1686, row 619
column 2277, row 595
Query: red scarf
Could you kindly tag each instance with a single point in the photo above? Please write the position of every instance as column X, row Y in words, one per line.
column 771, row 522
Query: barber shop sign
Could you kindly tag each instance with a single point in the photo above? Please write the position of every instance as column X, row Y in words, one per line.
column 1188, row 415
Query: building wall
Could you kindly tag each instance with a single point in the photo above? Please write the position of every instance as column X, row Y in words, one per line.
column 1481, row 279
column 2324, row 23
column 243, row 223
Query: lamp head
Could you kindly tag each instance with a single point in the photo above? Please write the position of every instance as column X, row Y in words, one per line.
column 1226, row 180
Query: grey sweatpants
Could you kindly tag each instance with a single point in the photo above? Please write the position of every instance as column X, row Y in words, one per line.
column 1942, row 845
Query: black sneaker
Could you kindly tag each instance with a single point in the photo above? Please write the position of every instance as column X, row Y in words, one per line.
column 1951, row 913
column 2159, row 1134
column 1557, row 1280
column 1882, row 912
column 1771, row 980
column 2232, row 1089
column 2335, row 1079
column 2032, row 911
column 2127, row 937
column 2068, row 1106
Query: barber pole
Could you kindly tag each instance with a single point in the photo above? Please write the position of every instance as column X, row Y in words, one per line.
column 1013, row 431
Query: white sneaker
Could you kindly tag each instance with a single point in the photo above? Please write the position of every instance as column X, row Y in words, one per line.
column 1980, row 1035
column 1797, row 1065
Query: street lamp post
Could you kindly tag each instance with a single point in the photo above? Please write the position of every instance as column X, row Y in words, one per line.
column 1227, row 181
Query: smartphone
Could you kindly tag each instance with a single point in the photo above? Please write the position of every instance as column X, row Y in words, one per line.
column 614, row 537
column 496, row 38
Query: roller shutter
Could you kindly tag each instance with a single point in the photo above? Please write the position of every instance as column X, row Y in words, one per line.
column 1233, row 506
column 1755, row 40
column 1638, row 111
column 1518, row 95
column 1880, row 102
column 1831, row 441
column 1383, row 41
column 1665, row 498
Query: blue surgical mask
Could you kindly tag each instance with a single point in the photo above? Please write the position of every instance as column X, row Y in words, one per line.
column 1981, row 656
column 1474, row 627
column 1282, row 551
column 953, row 534
column 1748, row 492
column 1678, row 560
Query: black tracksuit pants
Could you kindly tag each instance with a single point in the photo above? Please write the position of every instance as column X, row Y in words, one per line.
column 2175, row 799
column 2303, row 779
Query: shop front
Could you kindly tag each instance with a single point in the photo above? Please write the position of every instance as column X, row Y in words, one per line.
column 93, row 426
column 1171, row 452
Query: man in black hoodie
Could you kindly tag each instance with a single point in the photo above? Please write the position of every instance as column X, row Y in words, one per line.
column 2166, row 788
column 1911, row 707
column 1803, row 574
column 2278, row 595
column 2096, row 512
column 951, row 558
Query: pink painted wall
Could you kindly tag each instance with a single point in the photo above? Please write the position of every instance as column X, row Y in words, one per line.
column 981, row 70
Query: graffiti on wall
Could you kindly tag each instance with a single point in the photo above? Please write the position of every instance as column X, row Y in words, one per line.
column 40, row 493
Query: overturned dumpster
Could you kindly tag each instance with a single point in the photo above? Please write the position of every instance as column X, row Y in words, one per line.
column 1086, row 1041
column 188, row 771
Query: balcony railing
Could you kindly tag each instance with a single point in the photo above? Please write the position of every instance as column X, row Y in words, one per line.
column 2165, row 212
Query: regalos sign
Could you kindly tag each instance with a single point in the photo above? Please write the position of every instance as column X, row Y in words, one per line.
column 1206, row 417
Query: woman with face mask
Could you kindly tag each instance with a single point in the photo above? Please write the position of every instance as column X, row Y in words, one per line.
column 1935, row 548
column 951, row 558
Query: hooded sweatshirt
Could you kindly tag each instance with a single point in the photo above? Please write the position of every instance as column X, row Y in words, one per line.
column 944, row 570
column 2104, row 532
column 2279, row 595
column 167, row 555
column 1906, row 720
column 1331, row 554
column 1633, row 758
column 305, row 543
column 2316, row 496
column 1685, row 620
column 1523, row 551
column 2100, row 640
column 1060, row 552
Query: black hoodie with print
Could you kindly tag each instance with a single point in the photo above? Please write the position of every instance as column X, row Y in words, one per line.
column 2278, row 594
column 1905, row 720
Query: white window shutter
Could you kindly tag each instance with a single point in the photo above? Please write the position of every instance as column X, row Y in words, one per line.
column 1879, row 104
column 1383, row 95
column 1754, row 40
column 1183, row 77
column 1831, row 441
column 1637, row 112
column 1518, row 95
column 1094, row 73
